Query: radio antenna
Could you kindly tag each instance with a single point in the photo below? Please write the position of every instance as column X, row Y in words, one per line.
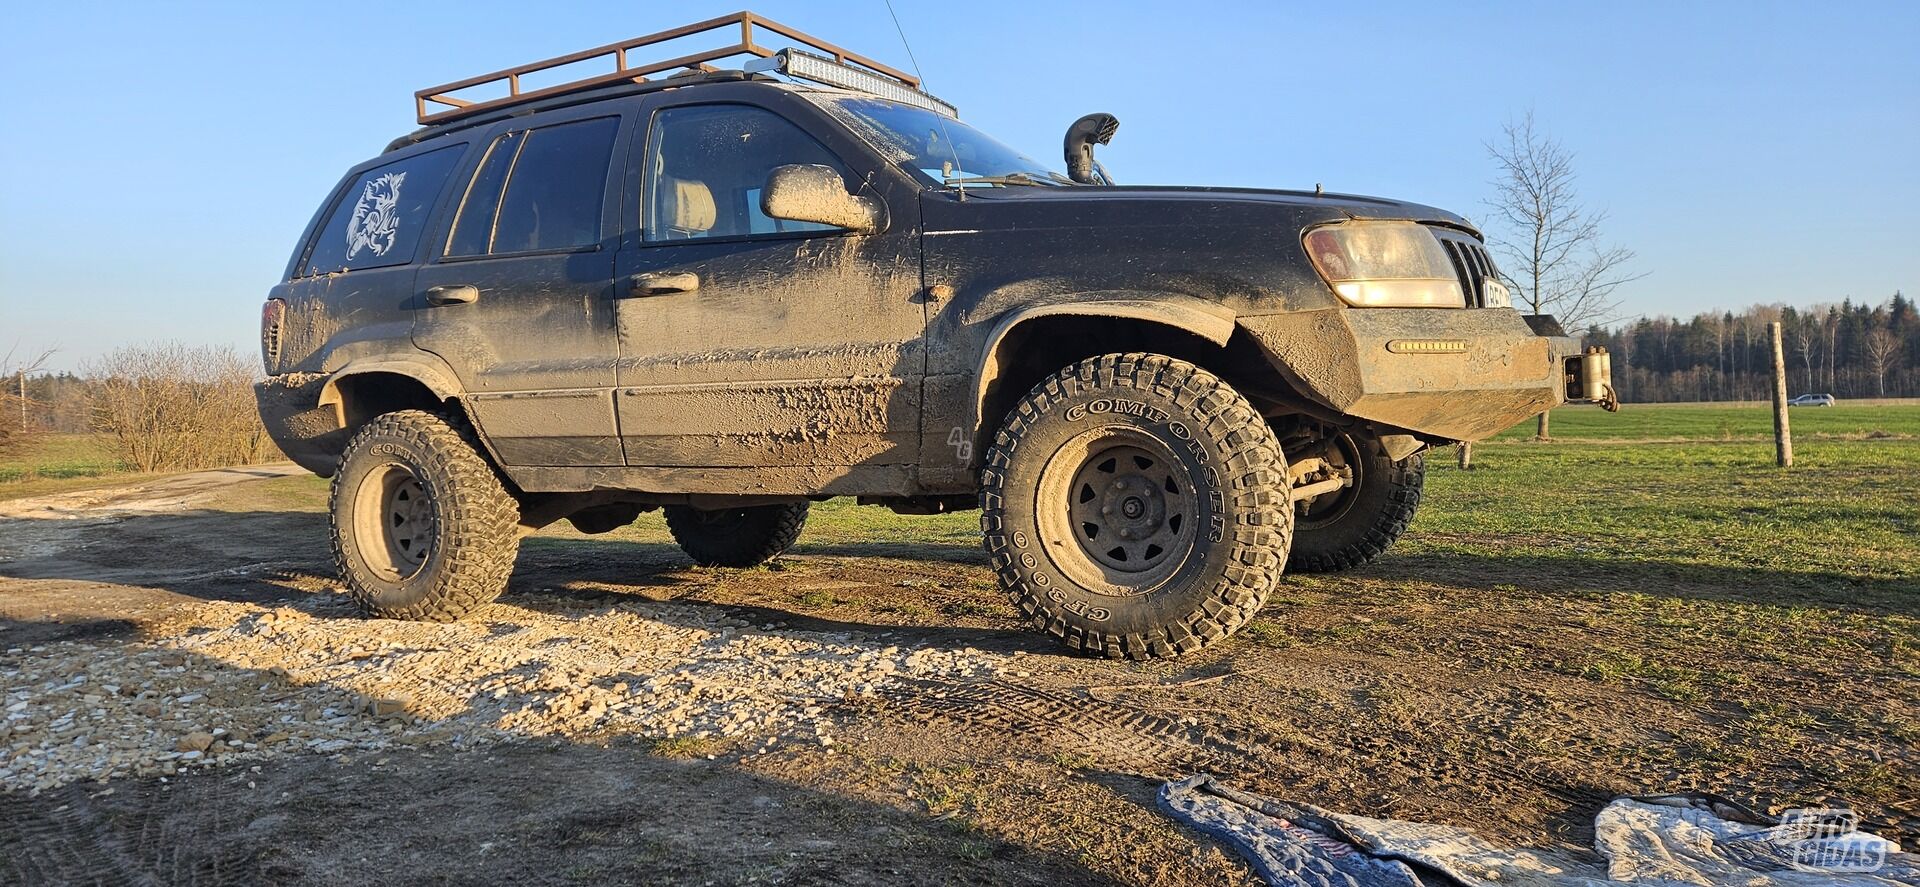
column 944, row 135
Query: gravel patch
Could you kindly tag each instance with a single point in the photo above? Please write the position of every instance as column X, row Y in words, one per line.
column 232, row 683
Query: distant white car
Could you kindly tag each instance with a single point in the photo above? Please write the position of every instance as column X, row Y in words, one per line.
column 1812, row 400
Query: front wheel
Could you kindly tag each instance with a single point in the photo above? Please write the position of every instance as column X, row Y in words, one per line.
column 736, row 537
column 1351, row 526
column 1136, row 506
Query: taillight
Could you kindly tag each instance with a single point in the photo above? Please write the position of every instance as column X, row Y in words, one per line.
column 273, row 318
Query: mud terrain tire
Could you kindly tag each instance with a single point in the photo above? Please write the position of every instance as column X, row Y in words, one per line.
column 1136, row 506
column 423, row 527
column 736, row 537
column 1359, row 526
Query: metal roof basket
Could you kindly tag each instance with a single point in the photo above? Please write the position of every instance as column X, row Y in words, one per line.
column 825, row 63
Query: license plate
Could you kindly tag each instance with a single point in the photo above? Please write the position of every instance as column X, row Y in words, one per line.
column 1495, row 295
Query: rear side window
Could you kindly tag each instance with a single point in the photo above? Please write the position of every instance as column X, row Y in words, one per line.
column 539, row 189
column 378, row 221
column 473, row 226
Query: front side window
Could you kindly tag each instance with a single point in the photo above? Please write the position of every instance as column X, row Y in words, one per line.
column 537, row 189
column 378, row 220
column 707, row 165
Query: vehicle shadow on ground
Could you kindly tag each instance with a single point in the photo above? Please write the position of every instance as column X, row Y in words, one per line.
column 531, row 811
column 262, row 556
column 609, row 560
column 614, row 561
column 969, row 553
column 150, row 563
column 575, row 575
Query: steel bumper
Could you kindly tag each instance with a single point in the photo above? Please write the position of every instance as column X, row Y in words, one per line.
column 1463, row 374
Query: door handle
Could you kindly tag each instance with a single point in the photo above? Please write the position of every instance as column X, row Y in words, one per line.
column 661, row 283
column 453, row 294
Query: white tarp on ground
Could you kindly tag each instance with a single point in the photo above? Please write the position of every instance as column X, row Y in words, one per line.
column 1670, row 841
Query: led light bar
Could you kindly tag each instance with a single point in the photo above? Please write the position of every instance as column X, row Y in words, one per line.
column 818, row 69
column 1427, row 346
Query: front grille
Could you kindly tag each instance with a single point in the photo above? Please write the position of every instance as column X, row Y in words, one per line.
column 1473, row 266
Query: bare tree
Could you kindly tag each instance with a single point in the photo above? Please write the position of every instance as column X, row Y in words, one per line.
column 14, row 402
column 173, row 407
column 1804, row 338
column 1548, row 243
column 1881, row 350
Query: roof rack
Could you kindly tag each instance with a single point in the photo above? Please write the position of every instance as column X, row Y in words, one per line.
column 832, row 66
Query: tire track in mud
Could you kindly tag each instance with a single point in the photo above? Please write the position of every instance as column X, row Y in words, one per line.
column 137, row 832
column 1120, row 737
column 1161, row 742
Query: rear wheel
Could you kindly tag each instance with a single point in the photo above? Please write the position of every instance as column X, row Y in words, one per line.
column 1136, row 506
column 736, row 537
column 423, row 528
column 1353, row 525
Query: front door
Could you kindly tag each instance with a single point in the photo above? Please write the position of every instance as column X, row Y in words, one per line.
column 751, row 342
column 519, row 300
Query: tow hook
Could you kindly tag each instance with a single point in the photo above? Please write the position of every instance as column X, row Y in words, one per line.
column 1338, row 477
column 1590, row 379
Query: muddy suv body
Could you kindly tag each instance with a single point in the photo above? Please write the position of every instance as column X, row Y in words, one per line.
column 730, row 295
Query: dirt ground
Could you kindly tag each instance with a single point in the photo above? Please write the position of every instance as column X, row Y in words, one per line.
column 860, row 713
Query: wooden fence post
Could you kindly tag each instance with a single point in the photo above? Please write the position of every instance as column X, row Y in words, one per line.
column 1466, row 454
column 1782, row 434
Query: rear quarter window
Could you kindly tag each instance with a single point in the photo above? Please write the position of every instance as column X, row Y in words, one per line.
column 379, row 220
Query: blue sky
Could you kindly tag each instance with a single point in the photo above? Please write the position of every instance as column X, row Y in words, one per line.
column 160, row 159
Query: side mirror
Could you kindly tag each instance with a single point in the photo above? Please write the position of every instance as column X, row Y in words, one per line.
column 806, row 192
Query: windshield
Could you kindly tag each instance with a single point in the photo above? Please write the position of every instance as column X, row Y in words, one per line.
column 939, row 147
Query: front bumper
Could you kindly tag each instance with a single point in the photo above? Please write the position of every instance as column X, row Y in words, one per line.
column 1463, row 374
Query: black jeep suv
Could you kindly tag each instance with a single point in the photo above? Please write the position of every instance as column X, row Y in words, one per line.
column 730, row 293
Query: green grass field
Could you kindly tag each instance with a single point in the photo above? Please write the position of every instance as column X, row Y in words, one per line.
column 51, row 462
column 1746, row 421
column 1848, row 510
column 1696, row 485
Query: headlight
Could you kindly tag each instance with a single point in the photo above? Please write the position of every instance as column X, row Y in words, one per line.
column 1385, row 264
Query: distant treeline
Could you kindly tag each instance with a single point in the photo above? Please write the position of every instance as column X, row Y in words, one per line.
column 1847, row 349
column 60, row 402
column 167, row 406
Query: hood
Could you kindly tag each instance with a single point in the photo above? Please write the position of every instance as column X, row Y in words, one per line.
column 1354, row 206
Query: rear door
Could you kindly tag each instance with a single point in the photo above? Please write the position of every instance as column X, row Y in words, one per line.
column 517, row 298
column 792, row 344
column 351, row 290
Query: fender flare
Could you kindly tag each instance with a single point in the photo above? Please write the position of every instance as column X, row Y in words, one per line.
column 1207, row 320
column 438, row 379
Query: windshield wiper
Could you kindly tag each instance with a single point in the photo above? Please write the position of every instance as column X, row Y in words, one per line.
column 1018, row 178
